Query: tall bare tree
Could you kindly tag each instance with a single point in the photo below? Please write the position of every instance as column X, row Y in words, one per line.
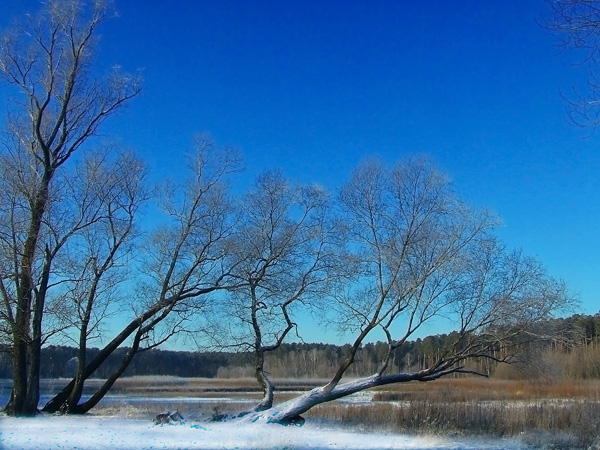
column 424, row 257
column 57, row 108
column 284, row 248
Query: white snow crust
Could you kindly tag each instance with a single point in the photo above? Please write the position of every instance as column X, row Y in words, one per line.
column 97, row 432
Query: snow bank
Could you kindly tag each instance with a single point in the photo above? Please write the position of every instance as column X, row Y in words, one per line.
column 87, row 433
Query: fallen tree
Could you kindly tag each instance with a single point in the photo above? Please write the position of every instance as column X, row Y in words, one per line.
column 424, row 258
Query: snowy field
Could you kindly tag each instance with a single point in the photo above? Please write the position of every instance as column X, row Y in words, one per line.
column 97, row 432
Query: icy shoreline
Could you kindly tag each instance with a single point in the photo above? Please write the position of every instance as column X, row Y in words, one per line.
column 96, row 432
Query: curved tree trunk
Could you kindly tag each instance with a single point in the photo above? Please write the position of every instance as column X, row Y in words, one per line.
column 268, row 390
column 290, row 411
column 259, row 353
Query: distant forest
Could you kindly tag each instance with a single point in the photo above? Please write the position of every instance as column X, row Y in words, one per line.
column 572, row 350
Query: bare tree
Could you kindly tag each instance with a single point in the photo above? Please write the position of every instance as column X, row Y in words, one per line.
column 577, row 24
column 94, row 262
column 57, row 109
column 184, row 260
column 425, row 257
column 284, row 253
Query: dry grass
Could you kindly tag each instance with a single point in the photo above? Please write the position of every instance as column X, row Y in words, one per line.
column 566, row 414
column 575, row 425
column 483, row 389
column 202, row 387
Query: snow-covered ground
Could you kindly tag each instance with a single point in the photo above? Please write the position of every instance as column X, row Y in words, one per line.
column 97, row 432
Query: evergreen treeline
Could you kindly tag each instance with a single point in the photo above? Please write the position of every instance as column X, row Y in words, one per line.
column 572, row 349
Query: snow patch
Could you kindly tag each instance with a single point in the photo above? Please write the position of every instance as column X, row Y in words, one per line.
column 93, row 432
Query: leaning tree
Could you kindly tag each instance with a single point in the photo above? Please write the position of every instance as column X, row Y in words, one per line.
column 425, row 258
column 185, row 258
column 96, row 231
column 58, row 105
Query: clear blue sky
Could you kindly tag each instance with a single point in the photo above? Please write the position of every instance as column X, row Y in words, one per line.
column 314, row 87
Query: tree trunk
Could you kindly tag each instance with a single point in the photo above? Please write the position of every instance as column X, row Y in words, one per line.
column 16, row 404
column 268, row 390
column 77, row 389
column 259, row 354
column 33, row 379
column 25, row 394
column 35, row 347
column 74, row 396
column 103, row 390
column 56, row 403
column 290, row 411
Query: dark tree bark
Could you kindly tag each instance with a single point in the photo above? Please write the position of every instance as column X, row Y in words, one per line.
column 61, row 400
column 62, row 109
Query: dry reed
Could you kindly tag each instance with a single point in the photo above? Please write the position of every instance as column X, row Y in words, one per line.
column 568, row 414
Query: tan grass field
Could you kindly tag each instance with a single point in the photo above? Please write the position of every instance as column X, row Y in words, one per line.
column 565, row 414
column 189, row 387
column 443, row 390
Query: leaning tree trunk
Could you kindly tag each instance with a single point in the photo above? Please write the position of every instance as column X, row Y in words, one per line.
column 110, row 381
column 291, row 411
column 107, row 385
column 56, row 403
column 61, row 402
